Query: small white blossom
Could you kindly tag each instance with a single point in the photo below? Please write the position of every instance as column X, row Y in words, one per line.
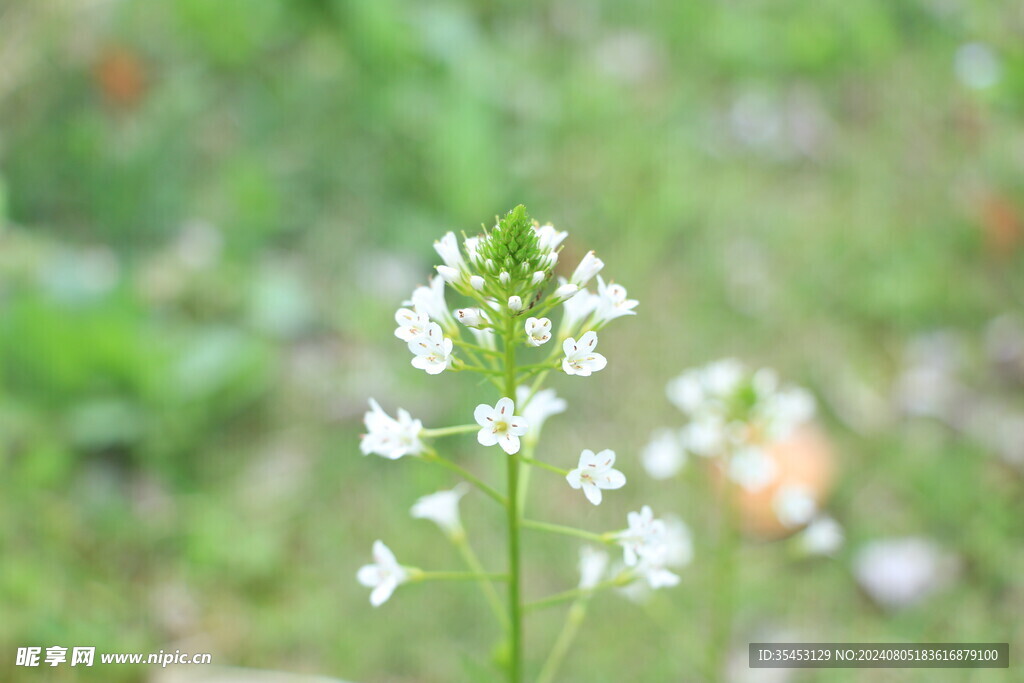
column 548, row 238
column 384, row 576
column 785, row 410
column 388, row 437
column 430, row 300
column 566, row 291
column 448, row 249
column 611, row 302
column 794, row 506
column 589, row 266
column 504, row 277
column 580, row 358
column 644, row 536
column 705, row 436
column 477, row 283
column 499, row 425
column 515, row 304
column 537, row 278
column 543, row 405
column 686, row 392
column 472, row 246
column 823, row 536
column 449, row 274
column 663, row 456
column 410, row 324
column 723, row 377
column 433, row 351
column 595, row 472
column 442, row 508
column 538, row 331
column 471, row 317
column 751, row 468
column 593, row 564
column 549, row 260
column 899, row 572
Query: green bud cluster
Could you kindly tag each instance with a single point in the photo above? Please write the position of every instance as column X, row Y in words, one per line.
column 512, row 247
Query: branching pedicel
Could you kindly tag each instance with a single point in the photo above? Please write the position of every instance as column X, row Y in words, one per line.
column 506, row 274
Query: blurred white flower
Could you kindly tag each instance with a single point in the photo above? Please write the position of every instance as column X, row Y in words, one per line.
column 548, row 238
column 384, row 576
column 484, row 337
column 566, row 291
column 723, row 377
column 442, row 508
column 472, row 247
column 449, row 274
column 678, row 542
column 543, row 405
column 663, row 456
column 576, row 311
column 589, row 266
column 705, row 435
column 977, row 66
column 448, row 249
column 751, row 468
column 593, row 564
column 580, row 358
column 902, row 571
column 499, row 425
column 596, row 472
column 410, row 324
column 432, row 350
column 794, row 506
column 515, row 303
column 388, row 437
column 538, row 331
column 686, row 392
column 823, row 536
column 477, row 282
column 430, row 300
column 785, row 410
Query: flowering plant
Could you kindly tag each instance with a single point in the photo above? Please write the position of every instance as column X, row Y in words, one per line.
column 507, row 276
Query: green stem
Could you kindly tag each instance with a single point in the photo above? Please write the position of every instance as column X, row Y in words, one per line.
column 432, row 456
column 545, row 466
column 449, row 431
column 575, row 593
column 567, row 531
column 724, row 584
column 515, row 669
column 573, row 619
column 473, row 562
column 479, row 349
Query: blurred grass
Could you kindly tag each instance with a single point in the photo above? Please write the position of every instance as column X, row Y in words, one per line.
column 213, row 209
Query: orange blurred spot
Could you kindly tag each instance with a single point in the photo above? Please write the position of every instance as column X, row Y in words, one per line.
column 1002, row 225
column 121, row 76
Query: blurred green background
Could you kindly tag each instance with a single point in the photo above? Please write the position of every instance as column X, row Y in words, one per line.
column 211, row 210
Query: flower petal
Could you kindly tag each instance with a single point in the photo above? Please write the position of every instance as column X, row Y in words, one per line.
column 573, row 477
column 518, row 426
column 382, row 555
column 588, row 341
column 606, row 458
column 487, row 437
column 504, row 409
column 383, row 591
column 484, row 415
column 569, row 346
column 368, row 575
column 592, row 493
column 612, row 479
column 510, row 443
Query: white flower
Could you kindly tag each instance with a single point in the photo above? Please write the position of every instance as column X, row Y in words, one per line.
column 537, row 278
column 595, row 472
column 611, row 302
column 751, row 468
column 430, row 300
column 686, row 392
column 543, row 405
column 705, row 435
column 448, row 249
column 433, row 351
column 504, row 277
column 477, row 282
column 652, row 568
column 472, row 247
column 538, row 331
column 449, row 274
column 823, row 536
column 723, row 377
column 565, row 292
column 383, row 576
column 785, row 410
column 678, row 542
column 589, row 266
column 902, row 571
column 580, row 358
column 593, row 564
column 549, row 260
column 472, row 317
column 663, row 456
column 548, row 238
column 499, row 425
column 644, row 536
column 794, row 506
column 515, row 304
column 389, row 437
column 442, row 508
column 410, row 324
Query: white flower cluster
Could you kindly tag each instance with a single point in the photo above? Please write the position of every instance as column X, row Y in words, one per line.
column 650, row 546
column 733, row 413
